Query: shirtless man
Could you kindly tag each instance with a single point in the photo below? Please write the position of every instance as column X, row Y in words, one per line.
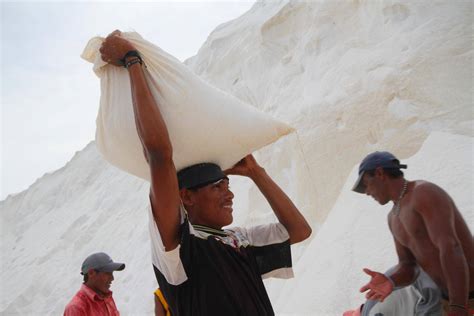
column 201, row 268
column 428, row 231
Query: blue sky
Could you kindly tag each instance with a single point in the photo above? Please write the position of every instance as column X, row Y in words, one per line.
column 50, row 96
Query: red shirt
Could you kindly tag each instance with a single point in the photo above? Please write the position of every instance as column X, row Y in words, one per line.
column 88, row 302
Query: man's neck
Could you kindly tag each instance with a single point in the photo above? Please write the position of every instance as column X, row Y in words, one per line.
column 397, row 189
column 97, row 291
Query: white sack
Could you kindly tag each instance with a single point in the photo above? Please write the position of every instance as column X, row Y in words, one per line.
column 205, row 124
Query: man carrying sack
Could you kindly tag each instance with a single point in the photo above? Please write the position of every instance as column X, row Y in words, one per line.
column 201, row 268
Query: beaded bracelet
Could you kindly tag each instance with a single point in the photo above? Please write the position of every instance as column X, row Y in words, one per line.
column 133, row 62
column 131, row 53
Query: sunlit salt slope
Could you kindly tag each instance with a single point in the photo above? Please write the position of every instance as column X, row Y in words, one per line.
column 351, row 76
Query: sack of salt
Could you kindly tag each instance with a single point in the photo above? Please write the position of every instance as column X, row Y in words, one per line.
column 205, row 124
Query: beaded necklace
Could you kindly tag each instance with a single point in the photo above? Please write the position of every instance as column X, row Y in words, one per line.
column 396, row 208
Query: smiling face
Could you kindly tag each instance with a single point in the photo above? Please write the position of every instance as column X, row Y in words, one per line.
column 99, row 281
column 210, row 205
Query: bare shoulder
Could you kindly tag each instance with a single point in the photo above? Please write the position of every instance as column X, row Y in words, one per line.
column 425, row 189
column 428, row 197
column 423, row 184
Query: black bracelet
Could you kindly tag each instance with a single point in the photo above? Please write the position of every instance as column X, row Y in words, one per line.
column 131, row 53
column 133, row 62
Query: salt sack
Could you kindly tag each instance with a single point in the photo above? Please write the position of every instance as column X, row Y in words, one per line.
column 205, row 124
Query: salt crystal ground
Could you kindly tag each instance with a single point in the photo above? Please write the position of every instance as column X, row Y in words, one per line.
column 352, row 77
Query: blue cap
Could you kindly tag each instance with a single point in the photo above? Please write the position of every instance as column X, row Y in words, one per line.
column 382, row 159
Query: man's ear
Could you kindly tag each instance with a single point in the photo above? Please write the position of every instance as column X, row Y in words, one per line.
column 186, row 197
column 91, row 273
column 379, row 172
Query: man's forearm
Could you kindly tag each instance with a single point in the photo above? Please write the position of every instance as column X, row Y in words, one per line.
column 405, row 274
column 150, row 125
column 284, row 209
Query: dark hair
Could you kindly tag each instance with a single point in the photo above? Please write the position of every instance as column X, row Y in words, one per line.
column 391, row 172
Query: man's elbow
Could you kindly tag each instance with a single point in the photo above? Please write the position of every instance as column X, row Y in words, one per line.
column 307, row 232
column 301, row 234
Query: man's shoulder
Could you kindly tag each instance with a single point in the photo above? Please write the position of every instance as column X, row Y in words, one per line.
column 75, row 307
column 429, row 199
column 260, row 235
column 423, row 190
column 423, row 185
column 77, row 304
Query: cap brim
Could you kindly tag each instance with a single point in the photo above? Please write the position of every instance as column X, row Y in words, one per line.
column 114, row 266
column 359, row 186
column 210, row 181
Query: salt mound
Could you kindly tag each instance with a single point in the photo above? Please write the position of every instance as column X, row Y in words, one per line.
column 352, row 77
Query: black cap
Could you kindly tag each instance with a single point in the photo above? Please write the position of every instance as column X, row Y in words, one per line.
column 199, row 175
column 377, row 159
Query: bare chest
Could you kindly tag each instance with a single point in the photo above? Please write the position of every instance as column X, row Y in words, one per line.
column 408, row 228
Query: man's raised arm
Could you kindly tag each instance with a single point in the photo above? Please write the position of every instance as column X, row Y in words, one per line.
column 286, row 212
column 153, row 134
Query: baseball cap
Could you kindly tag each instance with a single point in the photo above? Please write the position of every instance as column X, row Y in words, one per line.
column 199, row 175
column 101, row 262
column 372, row 161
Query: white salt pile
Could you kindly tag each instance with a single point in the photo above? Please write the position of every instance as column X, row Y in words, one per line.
column 352, row 77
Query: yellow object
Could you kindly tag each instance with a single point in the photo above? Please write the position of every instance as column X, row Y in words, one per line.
column 163, row 301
